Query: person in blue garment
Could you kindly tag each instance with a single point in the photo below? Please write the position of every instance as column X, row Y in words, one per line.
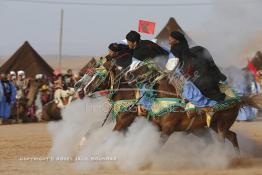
column 247, row 85
column 7, row 97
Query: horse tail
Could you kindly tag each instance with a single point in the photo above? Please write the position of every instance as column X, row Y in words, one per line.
column 253, row 101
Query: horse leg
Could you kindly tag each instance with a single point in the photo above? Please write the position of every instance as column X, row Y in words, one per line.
column 232, row 137
column 221, row 132
column 167, row 126
column 223, row 122
column 224, row 125
column 219, row 127
column 123, row 120
column 203, row 133
column 164, row 137
column 118, row 127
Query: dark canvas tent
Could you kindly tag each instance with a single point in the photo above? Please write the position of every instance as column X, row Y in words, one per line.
column 257, row 60
column 28, row 60
column 162, row 37
column 90, row 64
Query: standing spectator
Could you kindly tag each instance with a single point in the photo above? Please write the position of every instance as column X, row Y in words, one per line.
column 62, row 97
column 45, row 94
column 12, row 76
column 21, row 84
column 69, row 79
column 7, row 97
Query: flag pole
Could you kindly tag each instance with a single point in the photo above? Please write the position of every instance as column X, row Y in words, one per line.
column 61, row 39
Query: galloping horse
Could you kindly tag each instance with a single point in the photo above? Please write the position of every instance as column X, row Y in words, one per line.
column 177, row 119
column 121, row 94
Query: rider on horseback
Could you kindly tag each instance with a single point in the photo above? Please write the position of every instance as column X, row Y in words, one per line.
column 201, row 71
column 202, row 87
column 143, row 49
column 120, row 54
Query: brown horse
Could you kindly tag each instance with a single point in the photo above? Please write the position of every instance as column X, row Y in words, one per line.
column 50, row 112
column 119, row 91
column 122, row 90
column 179, row 121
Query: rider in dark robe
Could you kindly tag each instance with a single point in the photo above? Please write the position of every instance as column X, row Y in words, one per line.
column 201, row 52
column 200, row 70
column 143, row 49
column 121, row 54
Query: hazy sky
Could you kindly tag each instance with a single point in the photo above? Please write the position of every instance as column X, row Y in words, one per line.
column 89, row 29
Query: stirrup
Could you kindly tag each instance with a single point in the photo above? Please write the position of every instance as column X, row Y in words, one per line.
column 207, row 109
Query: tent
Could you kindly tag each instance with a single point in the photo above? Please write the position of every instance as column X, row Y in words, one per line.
column 28, row 60
column 172, row 25
column 257, row 60
column 90, row 64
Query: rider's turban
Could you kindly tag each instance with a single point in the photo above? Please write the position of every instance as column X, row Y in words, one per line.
column 114, row 47
column 133, row 36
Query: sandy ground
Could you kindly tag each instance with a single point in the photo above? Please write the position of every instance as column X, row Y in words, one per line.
column 33, row 140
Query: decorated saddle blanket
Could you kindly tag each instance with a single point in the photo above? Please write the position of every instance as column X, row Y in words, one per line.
column 157, row 107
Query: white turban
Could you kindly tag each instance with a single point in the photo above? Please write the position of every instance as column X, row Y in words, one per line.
column 39, row 76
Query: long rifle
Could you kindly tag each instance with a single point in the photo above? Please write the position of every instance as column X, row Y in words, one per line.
column 107, row 116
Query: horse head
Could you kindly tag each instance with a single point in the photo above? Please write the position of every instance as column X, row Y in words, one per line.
column 102, row 79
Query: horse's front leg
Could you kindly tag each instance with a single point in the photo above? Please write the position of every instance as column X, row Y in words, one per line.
column 124, row 120
column 167, row 125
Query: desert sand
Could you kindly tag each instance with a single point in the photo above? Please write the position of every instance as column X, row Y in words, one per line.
column 19, row 141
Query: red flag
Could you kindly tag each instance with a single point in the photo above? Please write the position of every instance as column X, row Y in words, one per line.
column 146, row 27
column 251, row 67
